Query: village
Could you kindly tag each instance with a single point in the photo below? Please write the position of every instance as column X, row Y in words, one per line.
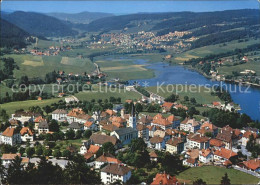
column 196, row 143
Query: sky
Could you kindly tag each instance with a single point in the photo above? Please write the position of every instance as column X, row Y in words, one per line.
column 126, row 7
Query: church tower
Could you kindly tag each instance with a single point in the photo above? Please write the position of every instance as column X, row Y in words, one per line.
column 132, row 118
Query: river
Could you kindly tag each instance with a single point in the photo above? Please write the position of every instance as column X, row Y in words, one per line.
column 247, row 98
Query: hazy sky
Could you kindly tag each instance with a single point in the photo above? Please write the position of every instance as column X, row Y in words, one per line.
column 122, row 7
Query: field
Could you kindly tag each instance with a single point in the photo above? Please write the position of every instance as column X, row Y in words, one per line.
column 212, row 49
column 39, row 66
column 88, row 96
column 213, row 175
column 200, row 93
column 124, row 69
column 251, row 65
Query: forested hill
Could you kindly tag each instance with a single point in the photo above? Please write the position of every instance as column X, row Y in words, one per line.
column 39, row 24
column 82, row 17
column 11, row 35
column 178, row 21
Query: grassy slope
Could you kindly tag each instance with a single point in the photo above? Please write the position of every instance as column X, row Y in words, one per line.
column 202, row 95
column 212, row 49
column 37, row 66
column 213, row 175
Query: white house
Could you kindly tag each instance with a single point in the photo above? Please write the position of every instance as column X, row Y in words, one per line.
column 197, row 141
column 76, row 126
column 189, row 125
column 26, row 134
column 157, row 143
column 191, row 162
column 223, row 155
column 115, row 172
column 59, row 115
column 205, row 156
column 246, row 136
column 43, row 127
column 8, row 158
column 11, row 136
column 125, row 135
column 71, row 99
column 105, row 160
column 143, row 131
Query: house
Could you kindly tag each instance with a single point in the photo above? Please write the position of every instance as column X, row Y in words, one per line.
column 175, row 120
column 153, row 156
column 145, row 120
column 161, row 122
column 78, row 115
column 71, row 99
column 84, row 147
column 43, row 127
column 191, row 162
column 143, row 131
column 115, row 172
column 228, row 137
column 8, row 158
column 110, row 112
column 59, row 115
column 24, row 116
column 246, row 136
column 175, row 145
column 14, row 123
column 105, row 159
column 205, row 156
column 156, row 98
column 224, row 154
column 189, row 125
column 108, row 128
column 164, row 179
column 91, row 152
column 166, row 107
column 215, row 143
column 253, row 164
column 207, row 127
column 90, row 125
column 76, row 126
column 37, row 121
column 197, row 141
column 125, row 135
column 26, row 134
column 157, row 143
column 99, row 139
column 152, row 129
column 11, row 136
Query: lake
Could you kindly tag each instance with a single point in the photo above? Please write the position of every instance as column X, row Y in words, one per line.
column 247, row 98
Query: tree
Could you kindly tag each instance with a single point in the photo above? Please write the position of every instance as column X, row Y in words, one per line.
column 54, row 126
column 225, row 180
column 39, row 151
column 78, row 172
column 47, row 152
column 15, row 172
column 87, row 134
column 47, row 109
column 193, row 101
column 137, row 144
column 67, row 154
column 172, row 98
column 30, row 151
column 70, row 134
column 78, row 134
column 199, row 182
column 108, row 147
column 186, row 98
column 57, row 153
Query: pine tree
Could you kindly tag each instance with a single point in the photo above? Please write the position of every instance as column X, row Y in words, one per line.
column 225, row 180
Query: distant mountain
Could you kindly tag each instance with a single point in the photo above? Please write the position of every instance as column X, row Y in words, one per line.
column 39, row 24
column 177, row 21
column 12, row 36
column 83, row 17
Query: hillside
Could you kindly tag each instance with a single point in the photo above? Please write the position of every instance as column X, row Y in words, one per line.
column 11, row 35
column 82, row 17
column 208, row 27
column 39, row 24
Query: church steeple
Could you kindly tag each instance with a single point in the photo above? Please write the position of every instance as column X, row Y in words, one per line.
column 132, row 118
